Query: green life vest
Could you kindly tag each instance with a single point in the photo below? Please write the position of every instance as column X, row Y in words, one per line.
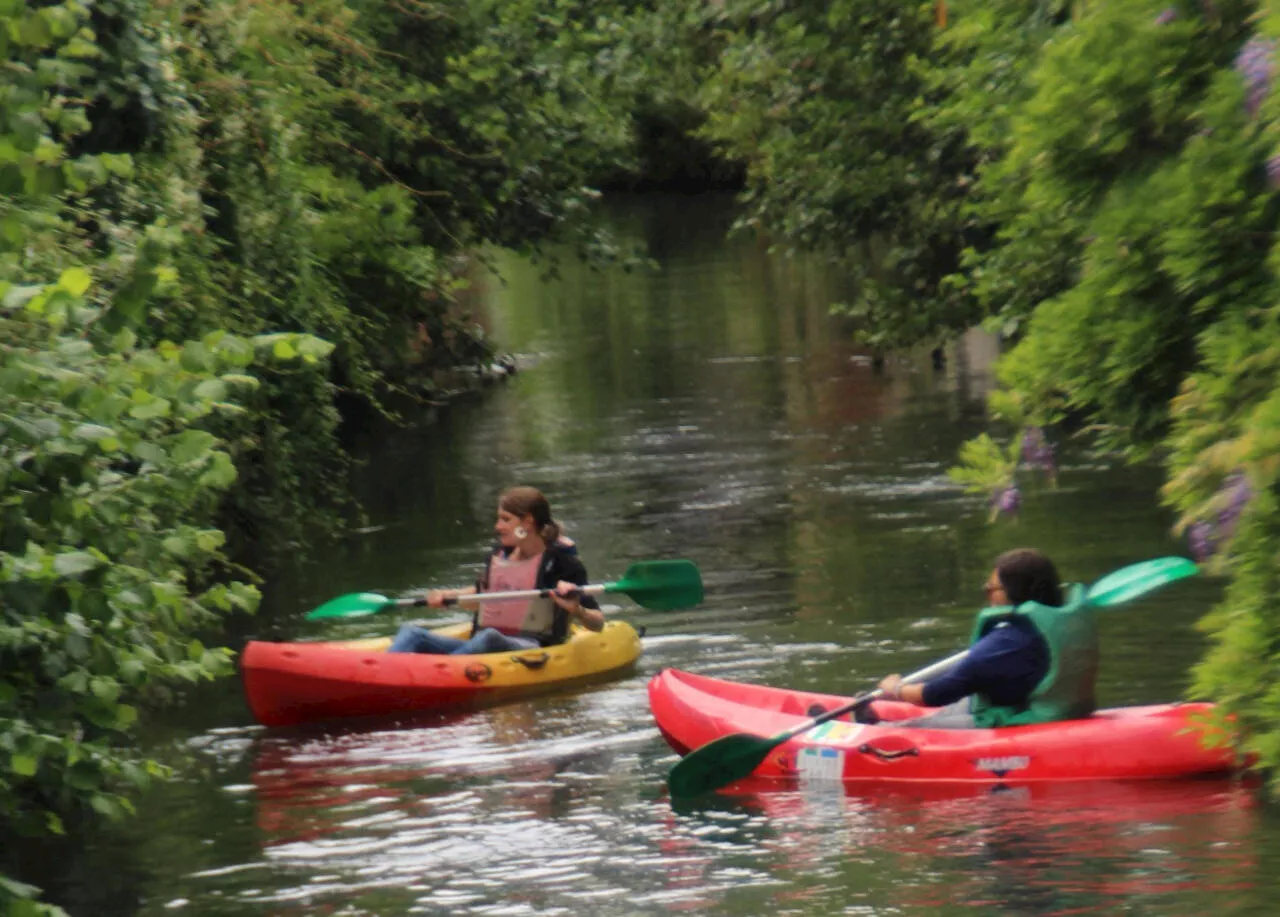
column 1067, row 690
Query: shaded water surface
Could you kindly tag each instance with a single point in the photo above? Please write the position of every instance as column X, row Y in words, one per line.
column 713, row 411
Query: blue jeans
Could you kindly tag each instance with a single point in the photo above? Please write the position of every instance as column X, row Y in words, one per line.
column 414, row 639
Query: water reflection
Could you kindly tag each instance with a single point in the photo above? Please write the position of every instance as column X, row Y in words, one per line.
column 445, row 811
column 513, row 809
column 1100, row 848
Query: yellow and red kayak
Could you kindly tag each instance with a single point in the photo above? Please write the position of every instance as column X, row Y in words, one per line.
column 291, row 683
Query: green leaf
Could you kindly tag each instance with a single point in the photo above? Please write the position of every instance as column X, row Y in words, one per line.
column 191, row 445
column 179, row 545
column 74, row 563
column 221, row 473
column 211, row 390
column 34, row 32
column 17, row 296
column 151, row 409
column 210, row 540
column 92, row 431
column 24, row 765
column 103, row 688
column 75, row 280
column 124, row 340
column 24, row 907
column 240, row 379
column 7, row 885
column 313, row 347
column 150, row 452
column 107, row 806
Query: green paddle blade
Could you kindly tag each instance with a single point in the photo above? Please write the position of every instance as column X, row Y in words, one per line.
column 718, row 764
column 351, row 605
column 663, row 585
column 1136, row 580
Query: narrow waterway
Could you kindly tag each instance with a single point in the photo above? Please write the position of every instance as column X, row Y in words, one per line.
column 709, row 410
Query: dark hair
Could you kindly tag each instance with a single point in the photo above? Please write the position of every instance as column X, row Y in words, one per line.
column 1028, row 576
column 529, row 501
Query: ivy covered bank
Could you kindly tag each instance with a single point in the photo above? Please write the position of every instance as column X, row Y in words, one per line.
column 216, row 217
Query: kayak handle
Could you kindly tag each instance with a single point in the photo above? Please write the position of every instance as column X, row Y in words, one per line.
column 884, row 755
column 532, row 662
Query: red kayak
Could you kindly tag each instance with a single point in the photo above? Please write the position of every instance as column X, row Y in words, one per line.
column 1160, row 741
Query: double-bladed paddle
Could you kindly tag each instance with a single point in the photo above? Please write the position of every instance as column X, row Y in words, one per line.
column 732, row 757
column 660, row 585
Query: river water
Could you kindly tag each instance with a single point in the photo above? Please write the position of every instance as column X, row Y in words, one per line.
column 710, row 410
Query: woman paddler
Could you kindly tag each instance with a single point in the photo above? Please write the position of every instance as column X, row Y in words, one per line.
column 1033, row 655
column 530, row 554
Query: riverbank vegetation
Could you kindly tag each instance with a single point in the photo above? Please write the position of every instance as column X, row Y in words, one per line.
column 218, row 222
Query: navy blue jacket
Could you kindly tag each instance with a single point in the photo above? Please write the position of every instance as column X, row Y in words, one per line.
column 1005, row 666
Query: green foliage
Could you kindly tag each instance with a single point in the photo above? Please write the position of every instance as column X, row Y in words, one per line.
column 241, row 177
column 109, row 477
column 328, row 168
column 17, row 899
column 824, row 104
column 979, row 80
column 985, row 466
column 107, row 547
column 1136, row 260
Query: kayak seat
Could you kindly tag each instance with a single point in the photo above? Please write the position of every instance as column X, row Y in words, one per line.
column 866, row 714
column 817, row 709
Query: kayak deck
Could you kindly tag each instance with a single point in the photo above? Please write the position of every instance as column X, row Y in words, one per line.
column 290, row 683
column 1160, row 741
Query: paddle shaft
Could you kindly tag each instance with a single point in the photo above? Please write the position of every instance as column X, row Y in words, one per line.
column 659, row 585
column 475, row 598
column 862, row 700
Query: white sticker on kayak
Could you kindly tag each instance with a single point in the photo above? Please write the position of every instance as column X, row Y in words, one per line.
column 833, row 733
column 1001, row 766
column 820, row 764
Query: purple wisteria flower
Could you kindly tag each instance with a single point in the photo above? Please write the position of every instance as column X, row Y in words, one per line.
column 1206, row 537
column 1037, row 451
column 1273, row 171
column 1032, row 442
column 1201, row 542
column 1256, row 64
column 1167, row 15
column 1006, row 500
column 1238, row 492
